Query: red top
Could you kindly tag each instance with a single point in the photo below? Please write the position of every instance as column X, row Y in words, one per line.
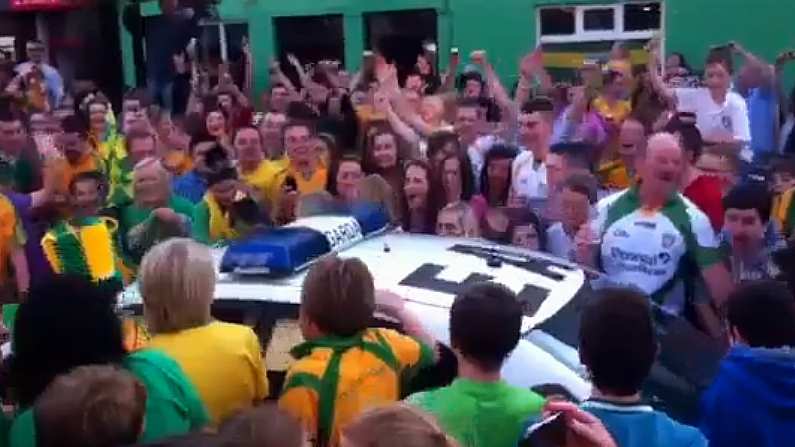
column 706, row 193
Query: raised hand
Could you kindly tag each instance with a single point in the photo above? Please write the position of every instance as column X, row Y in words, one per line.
column 478, row 57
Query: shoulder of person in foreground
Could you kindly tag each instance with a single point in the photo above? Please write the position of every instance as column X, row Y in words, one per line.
column 410, row 352
column 165, row 381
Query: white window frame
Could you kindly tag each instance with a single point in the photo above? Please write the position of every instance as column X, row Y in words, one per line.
column 581, row 35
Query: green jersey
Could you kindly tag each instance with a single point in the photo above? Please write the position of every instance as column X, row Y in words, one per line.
column 656, row 251
column 480, row 414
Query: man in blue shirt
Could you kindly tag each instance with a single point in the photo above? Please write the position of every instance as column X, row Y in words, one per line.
column 756, row 83
column 618, row 346
column 193, row 185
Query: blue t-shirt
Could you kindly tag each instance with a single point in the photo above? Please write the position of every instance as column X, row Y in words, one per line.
column 635, row 425
column 190, row 186
column 762, row 116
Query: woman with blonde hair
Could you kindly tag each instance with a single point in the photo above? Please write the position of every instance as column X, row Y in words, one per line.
column 224, row 361
column 398, row 425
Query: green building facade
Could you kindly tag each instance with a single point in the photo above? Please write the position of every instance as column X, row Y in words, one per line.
column 509, row 28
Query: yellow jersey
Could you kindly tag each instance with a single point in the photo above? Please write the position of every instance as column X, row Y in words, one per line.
column 335, row 379
column 224, row 361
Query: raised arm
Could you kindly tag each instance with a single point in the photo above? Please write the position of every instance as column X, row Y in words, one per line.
column 302, row 75
column 248, row 74
column 448, row 78
column 781, row 61
column 387, row 79
column 767, row 71
column 657, row 82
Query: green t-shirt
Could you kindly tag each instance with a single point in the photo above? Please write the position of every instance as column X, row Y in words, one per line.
column 173, row 406
column 140, row 231
column 480, row 414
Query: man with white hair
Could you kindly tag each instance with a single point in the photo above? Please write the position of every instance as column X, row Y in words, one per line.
column 155, row 214
column 652, row 238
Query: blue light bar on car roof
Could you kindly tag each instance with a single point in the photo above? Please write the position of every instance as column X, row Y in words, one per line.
column 286, row 250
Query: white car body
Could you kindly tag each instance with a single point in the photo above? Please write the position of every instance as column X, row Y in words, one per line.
column 419, row 268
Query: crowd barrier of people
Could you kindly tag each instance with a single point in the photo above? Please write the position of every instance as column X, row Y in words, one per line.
column 678, row 192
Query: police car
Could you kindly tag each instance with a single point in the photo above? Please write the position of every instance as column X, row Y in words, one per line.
column 261, row 279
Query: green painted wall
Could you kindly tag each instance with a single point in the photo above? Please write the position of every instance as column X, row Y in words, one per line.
column 507, row 28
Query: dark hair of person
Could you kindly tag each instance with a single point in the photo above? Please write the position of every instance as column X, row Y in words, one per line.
column 433, row 201
column 90, row 176
column 263, row 426
column 497, row 152
column 438, row 140
column 785, row 164
column 720, row 55
column 66, row 322
column 520, row 217
column 7, row 115
column 368, row 161
column 219, row 166
column 465, row 77
column 682, row 61
column 750, row 196
column 617, row 340
column 138, row 94
column 75, row 124
column 201, row 137
column 331, row 181
column 578, row 155
column 763, row 313
column 689, row 135
column 339, row 296
column 246, row 127
column 291, row 123
column 538, row 104
column 582, row 183
column 465, row 168
column 485, row 324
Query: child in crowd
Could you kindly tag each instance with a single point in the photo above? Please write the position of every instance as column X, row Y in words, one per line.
column 577, row 196
column 398, row 425
column 92, row 406
column 751, row 400
column 479, row 409
column 749, row 236
column 618, row 347
column 345, row 367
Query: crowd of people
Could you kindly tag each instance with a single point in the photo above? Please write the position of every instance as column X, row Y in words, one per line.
column 674, row 193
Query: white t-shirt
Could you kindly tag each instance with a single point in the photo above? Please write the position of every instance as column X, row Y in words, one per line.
column 559, row 243
column 529, row 177
column 654, row 251
column 717, row 122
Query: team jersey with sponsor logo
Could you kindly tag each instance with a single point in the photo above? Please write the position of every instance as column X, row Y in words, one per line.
column 654, row 250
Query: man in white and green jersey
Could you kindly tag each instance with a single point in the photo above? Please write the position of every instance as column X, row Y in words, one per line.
column 654, row 239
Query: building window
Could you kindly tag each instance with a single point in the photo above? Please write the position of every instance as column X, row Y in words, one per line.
column 642, row 16
column 401, row 35
column 557, row 21
column 310, row 39
column 594, row 23
column 599, row 19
